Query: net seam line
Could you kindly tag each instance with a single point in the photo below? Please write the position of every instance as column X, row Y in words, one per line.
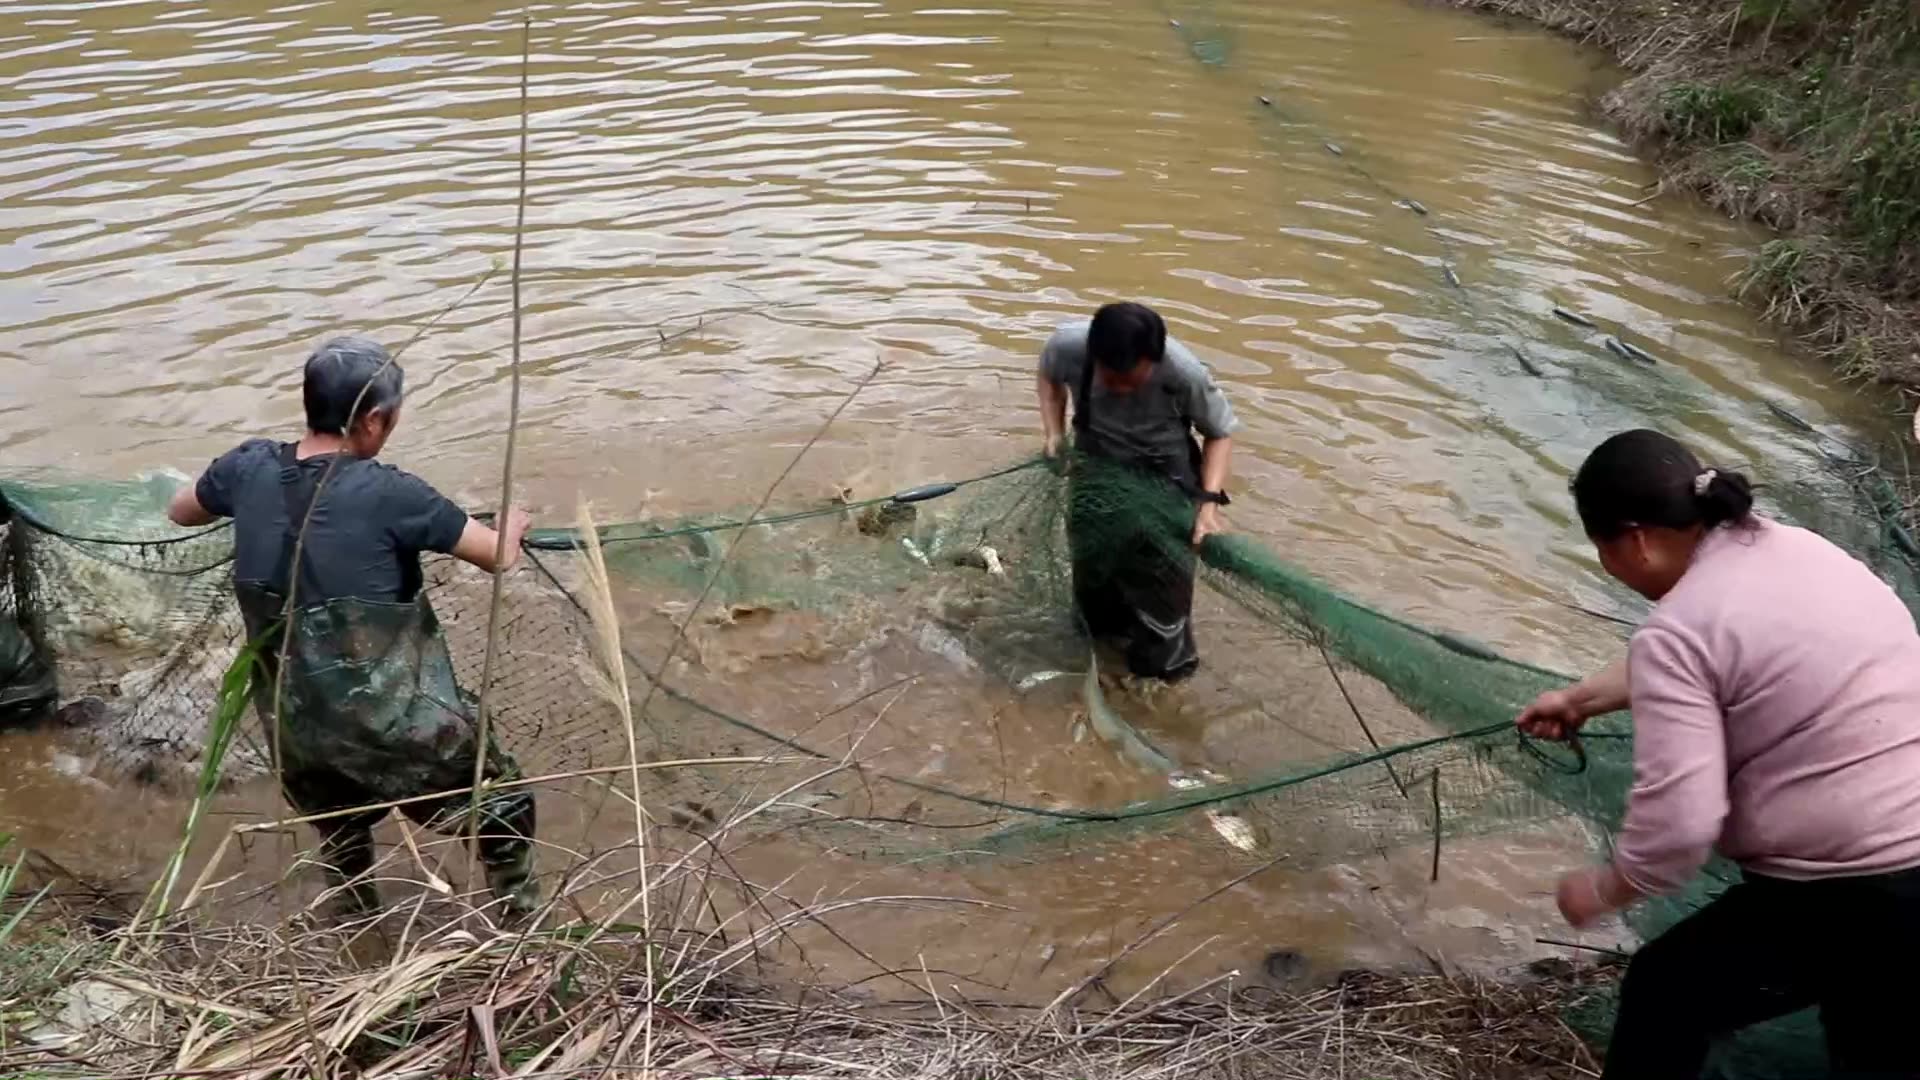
column 568, row 539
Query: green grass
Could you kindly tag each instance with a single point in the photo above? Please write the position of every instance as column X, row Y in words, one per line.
column 1803, row 115
column 236, row 697
column 1883, row 189
column 1782, row 16
column 1743, row 164
column 9, row 876
column 35, row 967
column 1781, row 266
column 1714, row 112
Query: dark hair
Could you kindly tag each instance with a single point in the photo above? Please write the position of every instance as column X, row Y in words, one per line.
column 1123, row 333
column 1645, row 478
column 336, row 374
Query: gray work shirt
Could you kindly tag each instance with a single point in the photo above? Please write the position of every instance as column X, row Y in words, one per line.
column 367, row 531
column 1155, row 422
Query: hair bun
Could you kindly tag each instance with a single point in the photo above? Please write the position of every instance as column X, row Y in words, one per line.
column 1722, row 496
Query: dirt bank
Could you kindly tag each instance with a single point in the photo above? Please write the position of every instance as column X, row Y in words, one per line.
column 1800, row 114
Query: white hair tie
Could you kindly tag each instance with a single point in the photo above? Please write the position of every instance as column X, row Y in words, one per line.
column 1702, row 482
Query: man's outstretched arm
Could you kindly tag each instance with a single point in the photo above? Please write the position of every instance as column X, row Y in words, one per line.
column 478, row 543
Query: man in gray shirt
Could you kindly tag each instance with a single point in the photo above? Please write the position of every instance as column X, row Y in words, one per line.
column 1138, row 401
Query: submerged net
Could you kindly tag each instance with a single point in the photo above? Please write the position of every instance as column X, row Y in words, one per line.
column 1318, row 727
column 136, row 619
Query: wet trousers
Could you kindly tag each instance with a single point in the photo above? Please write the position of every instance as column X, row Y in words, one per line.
column 1131, row 589
column 1768, row 947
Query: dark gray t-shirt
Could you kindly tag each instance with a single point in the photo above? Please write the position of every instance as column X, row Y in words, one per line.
column 366, row 533
column 1156, row 421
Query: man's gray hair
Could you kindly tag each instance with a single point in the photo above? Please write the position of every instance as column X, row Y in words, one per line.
column 337, row 372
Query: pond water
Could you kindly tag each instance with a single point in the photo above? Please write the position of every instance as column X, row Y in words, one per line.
column 1360, row 213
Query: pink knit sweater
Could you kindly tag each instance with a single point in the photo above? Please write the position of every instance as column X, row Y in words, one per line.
column 1776, row 716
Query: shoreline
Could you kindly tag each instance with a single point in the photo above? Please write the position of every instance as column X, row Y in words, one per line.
column 1793, row 116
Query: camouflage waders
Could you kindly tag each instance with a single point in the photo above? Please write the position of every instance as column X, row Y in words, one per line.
column 370, row 713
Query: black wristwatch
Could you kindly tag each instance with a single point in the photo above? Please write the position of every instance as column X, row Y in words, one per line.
column 1218, row 498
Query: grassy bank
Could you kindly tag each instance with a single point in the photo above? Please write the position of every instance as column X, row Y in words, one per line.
column 1803, row 115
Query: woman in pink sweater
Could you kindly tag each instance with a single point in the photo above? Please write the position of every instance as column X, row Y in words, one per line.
column 1775, row 692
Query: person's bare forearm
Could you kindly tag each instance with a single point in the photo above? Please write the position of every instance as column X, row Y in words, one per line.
column 1602, row 692
column 1053, row 408
column 478, row 544
column 185, row 509
column 1216, row 460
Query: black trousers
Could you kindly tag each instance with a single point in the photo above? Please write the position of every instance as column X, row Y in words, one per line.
column 1768, row 947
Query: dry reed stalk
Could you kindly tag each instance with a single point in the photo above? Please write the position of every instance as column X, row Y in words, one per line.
column 483, row 719
column 1353, row 707
column 612, row 683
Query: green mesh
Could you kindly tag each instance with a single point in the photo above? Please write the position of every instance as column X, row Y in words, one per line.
column 128, row 609
column 1348, row 730
column 27, row 690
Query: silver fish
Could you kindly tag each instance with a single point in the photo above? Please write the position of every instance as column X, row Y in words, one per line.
column 1526, row 363
column 1636, row 352
column 1234, row 830
column 1039, row 677
column 1189, row 779
column 1576, row 319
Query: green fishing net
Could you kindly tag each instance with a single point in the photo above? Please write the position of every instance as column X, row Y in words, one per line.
column 1319, row 727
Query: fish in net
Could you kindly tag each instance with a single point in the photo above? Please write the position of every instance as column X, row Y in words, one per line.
column 1336, row 729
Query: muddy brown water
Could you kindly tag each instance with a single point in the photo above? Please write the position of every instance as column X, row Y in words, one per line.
column 735, row 209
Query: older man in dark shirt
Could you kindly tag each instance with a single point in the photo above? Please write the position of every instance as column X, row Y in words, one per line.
column 368, row 709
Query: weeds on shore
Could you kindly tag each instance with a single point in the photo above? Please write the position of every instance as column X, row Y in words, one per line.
column 437, row 989
column 1803, row 115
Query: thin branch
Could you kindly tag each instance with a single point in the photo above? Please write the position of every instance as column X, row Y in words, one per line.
column 733, row 545
column 483, row 718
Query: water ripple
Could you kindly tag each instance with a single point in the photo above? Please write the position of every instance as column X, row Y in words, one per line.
column 191, row 194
